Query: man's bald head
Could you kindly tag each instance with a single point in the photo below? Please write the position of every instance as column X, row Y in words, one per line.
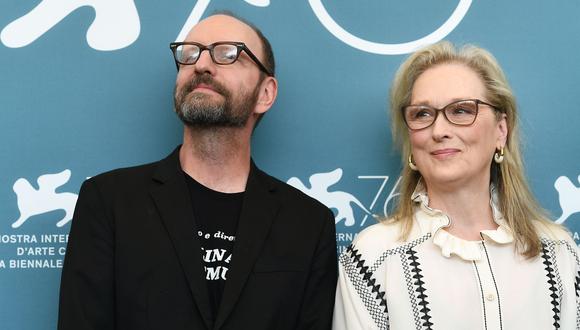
column 234, row 28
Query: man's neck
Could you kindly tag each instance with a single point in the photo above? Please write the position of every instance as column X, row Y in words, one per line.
column 218, row 158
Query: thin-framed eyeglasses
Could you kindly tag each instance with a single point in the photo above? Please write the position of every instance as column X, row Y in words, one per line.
column 222, row 53
column 461, row 113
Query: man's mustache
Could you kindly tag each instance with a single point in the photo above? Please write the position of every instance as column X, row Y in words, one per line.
column 207, row 81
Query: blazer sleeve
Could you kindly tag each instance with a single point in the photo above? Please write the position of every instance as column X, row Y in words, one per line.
column 87, row 295
column 318, row 300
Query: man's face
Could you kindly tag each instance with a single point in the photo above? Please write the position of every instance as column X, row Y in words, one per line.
column 212, row 95
column 198, row 109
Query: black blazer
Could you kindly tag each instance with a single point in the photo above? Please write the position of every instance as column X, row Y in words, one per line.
column 133, row 261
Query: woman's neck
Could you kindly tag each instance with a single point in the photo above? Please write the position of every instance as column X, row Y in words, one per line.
column 468, row 208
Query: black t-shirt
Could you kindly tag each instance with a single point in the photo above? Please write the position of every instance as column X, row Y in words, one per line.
column 216, row 216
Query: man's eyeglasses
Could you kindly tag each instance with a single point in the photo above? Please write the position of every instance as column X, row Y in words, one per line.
column 461, row 113
column 223, row 53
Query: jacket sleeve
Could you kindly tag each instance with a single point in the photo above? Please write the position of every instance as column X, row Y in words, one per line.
column 567, row 269
column 318, row 299
column 87, row 295
column 577, row 286
column 575, row 295
column 350, row 311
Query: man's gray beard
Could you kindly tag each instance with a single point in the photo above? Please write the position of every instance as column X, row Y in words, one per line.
column 199, row 111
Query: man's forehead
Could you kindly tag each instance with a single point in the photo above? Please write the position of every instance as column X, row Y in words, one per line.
column 223, row 28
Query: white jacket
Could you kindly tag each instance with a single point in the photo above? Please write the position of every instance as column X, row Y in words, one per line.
column 438, row 281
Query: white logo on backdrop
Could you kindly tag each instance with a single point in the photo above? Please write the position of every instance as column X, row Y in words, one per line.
column 342, row 201
column 33, row 202
column 569, row 197
column 389, row 49
column 116, row 23
column 339, row 200
column 341, row 34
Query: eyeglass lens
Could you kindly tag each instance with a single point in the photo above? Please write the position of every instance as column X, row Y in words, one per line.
column 221, row 54
column 459, row 113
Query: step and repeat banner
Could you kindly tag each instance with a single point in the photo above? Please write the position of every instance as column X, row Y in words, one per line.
column 86, row 86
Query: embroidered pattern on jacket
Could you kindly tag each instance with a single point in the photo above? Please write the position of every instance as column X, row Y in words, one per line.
column 399, row 250
column 554, row 280
column 366, row 286
column 408, row 273
column 572, row 251
column 577, row 285
column 411, row 291
column 419, row 288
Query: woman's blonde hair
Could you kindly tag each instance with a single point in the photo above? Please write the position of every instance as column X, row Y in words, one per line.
column 515, row 199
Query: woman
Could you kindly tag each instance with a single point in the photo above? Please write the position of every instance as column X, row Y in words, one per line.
column 468, row 247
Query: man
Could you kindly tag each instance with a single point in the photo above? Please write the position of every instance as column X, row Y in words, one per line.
column 203, row 239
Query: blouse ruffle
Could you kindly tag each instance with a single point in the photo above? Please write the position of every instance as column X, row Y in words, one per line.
column 435, row 221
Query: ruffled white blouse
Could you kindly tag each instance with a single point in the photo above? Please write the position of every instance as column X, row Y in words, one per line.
column 435, row 280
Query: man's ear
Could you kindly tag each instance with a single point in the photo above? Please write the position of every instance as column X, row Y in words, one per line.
column 267, row 95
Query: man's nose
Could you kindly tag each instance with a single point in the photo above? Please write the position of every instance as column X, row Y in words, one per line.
column 205, row 63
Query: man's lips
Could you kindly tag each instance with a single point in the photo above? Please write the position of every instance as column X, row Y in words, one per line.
column 204, row 87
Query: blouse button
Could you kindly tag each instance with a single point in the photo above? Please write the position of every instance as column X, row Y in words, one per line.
column 490, row 297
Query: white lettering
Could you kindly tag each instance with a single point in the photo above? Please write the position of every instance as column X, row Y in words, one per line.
column 2, row 264
column 34, row 264
column 218, row 255
column 35, row 251
column 212, row 273
column 18, row 238
column 213, row 255
column 54, row 238
column 223, row 236
column 215, row 273
column 344, row 237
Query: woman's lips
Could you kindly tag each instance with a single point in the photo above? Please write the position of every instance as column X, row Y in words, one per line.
column 444, row 153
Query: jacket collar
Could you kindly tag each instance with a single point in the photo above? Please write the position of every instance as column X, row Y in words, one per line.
column 435, row 221
column 259, row 208
column 171, row 196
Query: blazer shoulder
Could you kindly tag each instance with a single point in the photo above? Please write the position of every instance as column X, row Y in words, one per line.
column 126, row 172
column 127, row 177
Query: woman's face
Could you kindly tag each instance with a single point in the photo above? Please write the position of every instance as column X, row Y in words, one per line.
column 447, row 155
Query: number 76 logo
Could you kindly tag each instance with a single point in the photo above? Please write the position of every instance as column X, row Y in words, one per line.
column 117, row 25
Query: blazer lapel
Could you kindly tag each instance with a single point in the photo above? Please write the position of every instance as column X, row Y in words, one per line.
column 173, row 202
column 258, row 211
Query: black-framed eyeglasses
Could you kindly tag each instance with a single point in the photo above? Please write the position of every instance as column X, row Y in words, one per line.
column 222, row 52
column 461, row 113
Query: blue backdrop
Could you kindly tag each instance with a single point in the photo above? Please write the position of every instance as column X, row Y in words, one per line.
column 86, row 86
